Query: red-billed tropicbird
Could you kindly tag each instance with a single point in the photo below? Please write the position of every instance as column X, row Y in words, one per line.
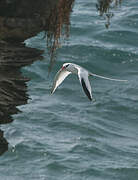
column 83, row 75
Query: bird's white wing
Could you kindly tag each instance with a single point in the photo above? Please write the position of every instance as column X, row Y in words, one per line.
column 83, row 77
column 59, row 78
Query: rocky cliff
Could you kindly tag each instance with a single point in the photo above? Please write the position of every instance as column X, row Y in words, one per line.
column 20, row 20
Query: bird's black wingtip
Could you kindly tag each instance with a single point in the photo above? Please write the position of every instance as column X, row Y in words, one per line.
column 86, row 90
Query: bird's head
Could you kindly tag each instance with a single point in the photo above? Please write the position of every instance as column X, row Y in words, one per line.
column 66, row 66
column 70, row 67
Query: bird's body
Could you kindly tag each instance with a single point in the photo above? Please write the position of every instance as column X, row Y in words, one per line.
column 83, row 75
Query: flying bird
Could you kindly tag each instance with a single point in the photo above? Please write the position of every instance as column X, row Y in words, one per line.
column 83, row 75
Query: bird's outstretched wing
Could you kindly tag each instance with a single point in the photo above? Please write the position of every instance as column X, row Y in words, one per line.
column 83, row 77
column 59, row 78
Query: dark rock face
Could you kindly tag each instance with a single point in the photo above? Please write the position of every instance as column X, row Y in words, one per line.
column 20, row 20
column 12, row 83
column 17, row 55
column 23, row 19
column 13, row 87
column 3, row 143
column 19, row 29
column 26, row 8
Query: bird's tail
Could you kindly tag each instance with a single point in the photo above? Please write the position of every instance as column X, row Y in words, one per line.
column 92, row 74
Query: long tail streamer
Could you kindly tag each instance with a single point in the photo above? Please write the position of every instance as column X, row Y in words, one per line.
column 92, row 74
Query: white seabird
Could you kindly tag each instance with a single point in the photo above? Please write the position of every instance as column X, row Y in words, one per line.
column 83, row 75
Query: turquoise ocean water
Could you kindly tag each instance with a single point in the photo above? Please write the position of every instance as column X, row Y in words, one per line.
column 65, row 136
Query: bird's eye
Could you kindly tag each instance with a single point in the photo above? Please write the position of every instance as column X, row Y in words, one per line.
column 67, row 65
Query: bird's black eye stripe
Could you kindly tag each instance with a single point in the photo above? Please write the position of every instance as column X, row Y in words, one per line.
column 67, row 65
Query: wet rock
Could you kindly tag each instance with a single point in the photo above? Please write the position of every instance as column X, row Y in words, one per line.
column 13, row 87
column 23, row 19
column 18, row 54
column 20, row 20
column 3, row 143
column 12, row 83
